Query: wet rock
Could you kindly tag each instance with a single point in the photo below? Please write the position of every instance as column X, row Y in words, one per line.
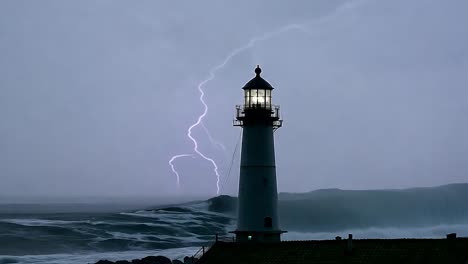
column 190, row 260
column 105, row 261
column 222, row 204
column 176, row 261
column 146, row 260
column 156, row 260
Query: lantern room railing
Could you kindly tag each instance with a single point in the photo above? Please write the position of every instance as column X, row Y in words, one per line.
column 273, row 116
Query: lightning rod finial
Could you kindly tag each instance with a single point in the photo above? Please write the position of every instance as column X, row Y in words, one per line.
column 258, row 70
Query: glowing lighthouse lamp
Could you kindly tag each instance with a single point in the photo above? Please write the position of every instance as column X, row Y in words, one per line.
column 258, row 196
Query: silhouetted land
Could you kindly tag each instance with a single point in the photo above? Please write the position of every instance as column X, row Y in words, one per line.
column 335, row 209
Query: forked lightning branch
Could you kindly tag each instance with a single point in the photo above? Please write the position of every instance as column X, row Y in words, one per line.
column 212, row 75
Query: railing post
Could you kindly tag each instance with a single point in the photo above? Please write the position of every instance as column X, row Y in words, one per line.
column 216, row 237
column 203, row 250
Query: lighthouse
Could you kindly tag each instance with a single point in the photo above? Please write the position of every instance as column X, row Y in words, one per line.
column 258, row 196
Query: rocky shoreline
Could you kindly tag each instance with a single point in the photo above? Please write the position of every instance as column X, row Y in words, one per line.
column 151, row 260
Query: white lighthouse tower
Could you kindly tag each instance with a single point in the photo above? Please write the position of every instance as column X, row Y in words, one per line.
column 258, row 196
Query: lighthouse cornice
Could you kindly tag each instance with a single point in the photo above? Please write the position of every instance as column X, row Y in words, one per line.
column 258, row 115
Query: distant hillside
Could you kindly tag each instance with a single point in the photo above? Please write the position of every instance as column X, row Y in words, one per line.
column 335, row 209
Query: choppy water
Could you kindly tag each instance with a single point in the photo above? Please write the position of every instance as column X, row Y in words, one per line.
column 85, row 237
column 178, row 231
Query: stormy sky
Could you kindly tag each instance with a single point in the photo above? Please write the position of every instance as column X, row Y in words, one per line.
column 96, row 96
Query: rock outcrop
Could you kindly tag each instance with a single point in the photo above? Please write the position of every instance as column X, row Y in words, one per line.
column 148, row 260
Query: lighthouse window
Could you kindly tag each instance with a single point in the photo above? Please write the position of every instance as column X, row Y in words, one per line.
column 261, row 97
column 253, row 97
column 257, row 98
column 247, row 98
column 268, row 99
column 268, row 222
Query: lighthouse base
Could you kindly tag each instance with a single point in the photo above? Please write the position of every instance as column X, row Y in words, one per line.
column 258, row 236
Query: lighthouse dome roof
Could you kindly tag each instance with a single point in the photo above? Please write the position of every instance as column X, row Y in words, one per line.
column 257, row 82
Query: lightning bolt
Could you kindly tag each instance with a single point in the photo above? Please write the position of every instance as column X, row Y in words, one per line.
column 212, row 74
column 213, row 141
column 173, row 168
column 199, row 120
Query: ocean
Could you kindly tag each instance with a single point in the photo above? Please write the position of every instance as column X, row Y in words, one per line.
column 48, row 236
column 45, row 233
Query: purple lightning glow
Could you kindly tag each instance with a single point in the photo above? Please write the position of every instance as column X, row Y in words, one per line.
column 213, row 141
column 212, row 75
column 173, row 168
column 199, row 120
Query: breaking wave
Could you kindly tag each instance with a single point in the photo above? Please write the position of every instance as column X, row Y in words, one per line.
column 170, row 230
column 161, row 228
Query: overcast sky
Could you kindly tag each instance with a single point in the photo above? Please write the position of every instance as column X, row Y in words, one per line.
column 96, row 96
